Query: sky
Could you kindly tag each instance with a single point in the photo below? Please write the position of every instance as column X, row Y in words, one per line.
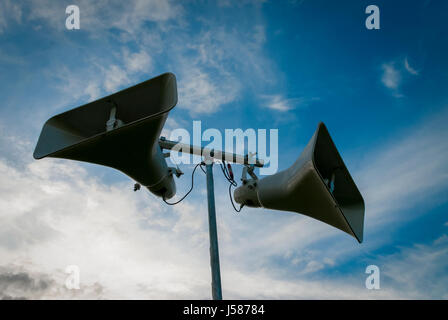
column 283, row 65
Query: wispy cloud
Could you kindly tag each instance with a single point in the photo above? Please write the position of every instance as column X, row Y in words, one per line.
column 101, row 76
column 10, row 11
column 138, row 61
column 409, row 68
column 11, row 59
column 421, row 262
column 395, row 73
column 100, row 16
column 406, row 171
column 391, row 77
column 92, row 90
column 278, row 102
column 211, row 64
column 217, row 63
column 74, row 218
column 200, row 93
column 115, row 77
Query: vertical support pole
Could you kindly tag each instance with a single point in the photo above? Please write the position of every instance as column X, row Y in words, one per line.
column 214, row 253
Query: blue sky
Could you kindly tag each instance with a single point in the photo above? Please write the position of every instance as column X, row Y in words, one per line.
column 282, row 65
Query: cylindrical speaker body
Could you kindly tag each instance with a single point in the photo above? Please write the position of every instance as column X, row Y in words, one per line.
column 163, row 185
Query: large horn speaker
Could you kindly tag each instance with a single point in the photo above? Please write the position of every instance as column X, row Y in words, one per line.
column 318, row 185
column 119, row 131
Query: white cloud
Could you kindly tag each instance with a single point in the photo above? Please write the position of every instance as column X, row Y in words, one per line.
column 259, row 34
column 239, row 4
column 199, row 93
column 129, row 246
column 134, row 14
column 409, row 68
column 211, row 67
column 11, row 59
column 76, row 82
column 395, row 73
column 278, row 102
column 9, row 11
column 99, row 76
column 411, row 269
column 218, row 62
column 103, row 15
column 408, row 171
column 441, row 240
column 93, row 90
column 137, row 61
column 391, row 77
column 113, row 236
column 115, row 77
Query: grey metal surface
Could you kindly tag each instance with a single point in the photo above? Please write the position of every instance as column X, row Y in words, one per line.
column 119, row 131
column 318, row 185
column 206, row 152
column 213, row 232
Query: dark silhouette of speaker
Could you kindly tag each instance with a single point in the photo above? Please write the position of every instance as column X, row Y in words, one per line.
column 318, row 185
column 119, row 131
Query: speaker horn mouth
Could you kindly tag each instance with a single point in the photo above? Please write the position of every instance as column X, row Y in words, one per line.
column 149, row 99
column 120, row 131
column 330, row 166
column 318, row 185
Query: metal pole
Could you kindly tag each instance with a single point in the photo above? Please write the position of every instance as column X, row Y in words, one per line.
column 209, row 153
column 214, row 253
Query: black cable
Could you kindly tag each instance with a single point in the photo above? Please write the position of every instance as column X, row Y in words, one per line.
column 192, row 185
column 232, row 182
column 231, row 199
column 226, row 173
